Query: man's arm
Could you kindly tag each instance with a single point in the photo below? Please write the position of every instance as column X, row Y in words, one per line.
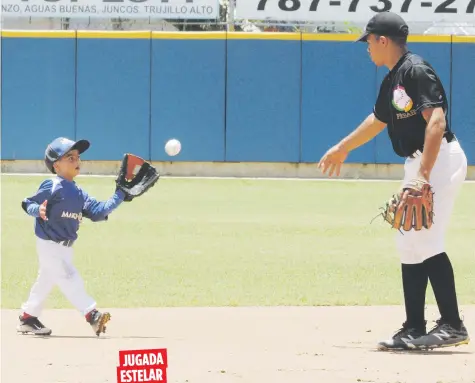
column 365, row 132
column 100, row 210
column 435, row 129
column 336, row 155
column 426, row 90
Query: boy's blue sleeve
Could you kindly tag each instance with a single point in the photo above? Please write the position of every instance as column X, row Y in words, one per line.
column 100, row 210
column 31, row 205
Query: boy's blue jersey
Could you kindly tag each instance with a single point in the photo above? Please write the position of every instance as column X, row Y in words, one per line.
column 67, row 205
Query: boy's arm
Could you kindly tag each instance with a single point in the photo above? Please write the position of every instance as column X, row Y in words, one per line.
column 31, row 205
column 100, row 210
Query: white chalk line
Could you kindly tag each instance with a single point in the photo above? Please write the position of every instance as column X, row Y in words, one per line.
column 45, row 175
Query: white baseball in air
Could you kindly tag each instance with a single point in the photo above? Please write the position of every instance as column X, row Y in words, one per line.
column 173, row 147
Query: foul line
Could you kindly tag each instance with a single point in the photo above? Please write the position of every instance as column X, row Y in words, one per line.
column 45, row 175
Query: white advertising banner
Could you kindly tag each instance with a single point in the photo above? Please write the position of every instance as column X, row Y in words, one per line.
column 356, row 10
column 158, row 9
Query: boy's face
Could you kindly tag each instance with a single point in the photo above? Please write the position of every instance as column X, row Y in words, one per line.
column 69, row 165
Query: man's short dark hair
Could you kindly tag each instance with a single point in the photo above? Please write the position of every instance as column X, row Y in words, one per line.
column 400, row 41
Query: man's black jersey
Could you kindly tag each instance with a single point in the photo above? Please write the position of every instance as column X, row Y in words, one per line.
column 410, row 87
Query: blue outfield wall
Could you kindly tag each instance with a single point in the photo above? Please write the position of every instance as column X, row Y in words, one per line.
column 270, row 97
column 335, row 97
column 463, row 95
column 38, row 93
column 188, row 97
column 263, row 100
column 113, row 95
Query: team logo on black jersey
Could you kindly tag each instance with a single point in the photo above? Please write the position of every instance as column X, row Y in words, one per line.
column 401, row 101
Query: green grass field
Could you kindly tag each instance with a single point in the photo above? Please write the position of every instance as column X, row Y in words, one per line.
column 208, row 242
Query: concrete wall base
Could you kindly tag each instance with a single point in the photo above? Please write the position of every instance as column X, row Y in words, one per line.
column 229, row 169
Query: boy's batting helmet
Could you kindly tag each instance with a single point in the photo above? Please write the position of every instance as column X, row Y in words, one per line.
column 59, row 147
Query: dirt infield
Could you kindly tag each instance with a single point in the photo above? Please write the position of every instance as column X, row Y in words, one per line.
column 221, row 345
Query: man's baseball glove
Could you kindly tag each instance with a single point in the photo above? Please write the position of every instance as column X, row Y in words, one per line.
column 135, row 176
column 412, row 207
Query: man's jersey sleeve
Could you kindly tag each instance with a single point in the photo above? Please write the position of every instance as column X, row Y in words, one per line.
column 381, row 108
column 424, row 87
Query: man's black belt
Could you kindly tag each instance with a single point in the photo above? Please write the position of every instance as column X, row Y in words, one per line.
column 449, row 136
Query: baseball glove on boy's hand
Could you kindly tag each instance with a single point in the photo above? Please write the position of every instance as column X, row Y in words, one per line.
column 135, row 176
column 412, row 207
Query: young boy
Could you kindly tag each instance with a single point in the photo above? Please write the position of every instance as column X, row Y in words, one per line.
column 58, row 207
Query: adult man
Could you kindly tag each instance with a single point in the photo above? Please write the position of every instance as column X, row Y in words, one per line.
column 412, row 103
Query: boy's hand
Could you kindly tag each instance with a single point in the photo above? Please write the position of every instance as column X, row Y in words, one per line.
column 43, row 210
